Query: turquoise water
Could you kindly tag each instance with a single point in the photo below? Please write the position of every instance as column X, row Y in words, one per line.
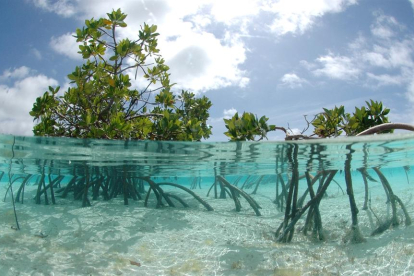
column 65, row 156
column 120, row 172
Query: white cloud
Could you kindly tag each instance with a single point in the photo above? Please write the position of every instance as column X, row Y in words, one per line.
column 199, row 60
column 17, row 100
column 296, row 16
column 66, row 45
column 400, row 53
column 292, row 81
column 392, row 54
column 358, row 43
column 385, row 27
column 376, row 59
column 385, row 79
column 383, row 58
column 231, row 11
column 337, row 67
column 36, row 53
column 308, row 65
column 228, row 113
column 17, row 73
column 61, row 7
column 294, row 131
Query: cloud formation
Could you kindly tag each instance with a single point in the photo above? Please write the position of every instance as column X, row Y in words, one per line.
column 292, row 81
column 64, row 8
column 66, row 45
column 16, row 73
column 228, row 113
column 337, row 67
column 384, row 57
column 17, row 98
column 385, row 51
column 385, row 27
column 199, row 60
column 297, row 16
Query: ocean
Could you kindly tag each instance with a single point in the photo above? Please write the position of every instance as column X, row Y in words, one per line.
column 99, row 207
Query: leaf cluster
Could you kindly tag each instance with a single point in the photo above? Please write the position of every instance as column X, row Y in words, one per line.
column 102, row 102
column 334, row 122
column 247, row 127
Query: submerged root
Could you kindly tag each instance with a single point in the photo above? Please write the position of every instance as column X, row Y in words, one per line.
column 382, row 227
column 235, row 192
column 407, row 216
column 354, row 235
column 199, row 199
column 178, row 199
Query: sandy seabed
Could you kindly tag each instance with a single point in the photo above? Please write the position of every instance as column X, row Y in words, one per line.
column 109, row 238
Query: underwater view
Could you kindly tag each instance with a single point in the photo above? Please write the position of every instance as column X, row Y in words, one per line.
column 339, row 206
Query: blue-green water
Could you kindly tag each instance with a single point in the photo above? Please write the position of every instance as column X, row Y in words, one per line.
column 183, row 159
column 227, row 241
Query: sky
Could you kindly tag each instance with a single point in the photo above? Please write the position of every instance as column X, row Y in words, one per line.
column 285, row 59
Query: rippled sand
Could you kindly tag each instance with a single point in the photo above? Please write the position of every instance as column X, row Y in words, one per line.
column 112, row 239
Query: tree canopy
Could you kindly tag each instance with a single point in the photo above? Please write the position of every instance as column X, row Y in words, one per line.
column 247, row 127
column 334, row 122
column 103, row 103
column 329, row 123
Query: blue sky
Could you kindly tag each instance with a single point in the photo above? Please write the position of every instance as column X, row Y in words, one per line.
column 283, row 59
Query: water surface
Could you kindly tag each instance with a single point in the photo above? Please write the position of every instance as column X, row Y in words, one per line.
column 110, row 238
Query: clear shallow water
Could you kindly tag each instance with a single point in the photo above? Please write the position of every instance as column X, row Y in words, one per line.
column 105, row 238
column 183, row 159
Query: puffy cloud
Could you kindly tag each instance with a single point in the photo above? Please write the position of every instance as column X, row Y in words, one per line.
column 206, row 63
column 61, row 7
column 296, row 16
column 401, row 53
column 66, row 45
column 337, row 67
column 385, row 27
column 388, row 51
column 292, row 81
column 389, row 55
column 17, row 73
column 385, row 57
column 294, row 131
column 358, row 44
column 376, row 59
column 385, row 79
column 308, row 65
column 199, row 60
column 17, row 100
column 228, row 113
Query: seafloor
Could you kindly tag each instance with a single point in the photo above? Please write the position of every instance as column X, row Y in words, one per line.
column 112, row 239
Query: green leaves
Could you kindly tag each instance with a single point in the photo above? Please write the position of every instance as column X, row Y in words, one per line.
column 330, row 122
column 247, row 127
column 101, row 103
column 117, row 18
column 333, row 122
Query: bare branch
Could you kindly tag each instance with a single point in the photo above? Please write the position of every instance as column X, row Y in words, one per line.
column 386, row 126
column 144, row 115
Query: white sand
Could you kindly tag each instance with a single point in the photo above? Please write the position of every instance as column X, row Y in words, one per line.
column 111, row 239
